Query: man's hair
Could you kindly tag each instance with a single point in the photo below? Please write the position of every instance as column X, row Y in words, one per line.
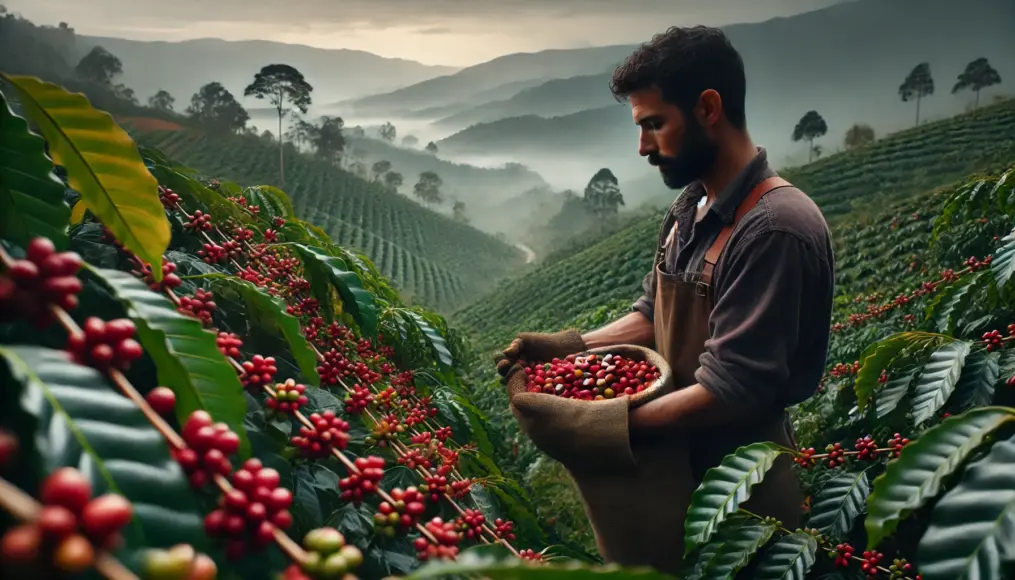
column 684, row 62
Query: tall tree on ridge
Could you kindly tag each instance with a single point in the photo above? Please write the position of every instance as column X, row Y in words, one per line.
column 161, row 100
column 281, row 84
column 809, row 127
column 977, row 76
column 918, row 84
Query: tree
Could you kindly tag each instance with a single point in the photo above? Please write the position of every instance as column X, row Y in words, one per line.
column 327, row 138
column 977, row 76
column 810, row 126
column 126, row 93
column 99, row 66
column 379, row 168
column 162, row 101
column 217, row 109
column 410, row 141
column 428, row 188
column 431, row 147
column 393, row 180
column 602, row 194
column 281, row 84
column 458, row 212
column 858, row 135
column 387, row 132
column 918, row 84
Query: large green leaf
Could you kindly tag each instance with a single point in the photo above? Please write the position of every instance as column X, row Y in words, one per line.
column 890, row 395
column 917, row 475
column 938, row 379
column 272, row 201
column 435, row 342
column 976, row 385
column 356, row 299
column 83, row 423
column 31, row 195
column 878, row 357
column 1003, row 262
column 972, row 528
column 950, row 301
column 186, row 356
column 838, row 503
column 492, row 567
column 272, row 310
column 103, row 165
column 788, row 558
column 725, row 487
column 737, row 540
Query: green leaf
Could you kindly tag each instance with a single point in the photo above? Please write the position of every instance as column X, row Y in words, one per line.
column 949, row 301
column 725, row 487
column 103, row 165
column 272, row 201
column 1003, row 263
column 878, row 356
column 194, row 193
column 492, row 567
column 31, row 195
column 917, row 475
column 435, row 342
column 938, row 379
column 789, row 558
column 976, row 385
column 356, row 299
column 272, row 310
column 972, row 528
column 838, row 503
column 889, row 396
column 83, row 423
column 186, row 355
column 738, row 539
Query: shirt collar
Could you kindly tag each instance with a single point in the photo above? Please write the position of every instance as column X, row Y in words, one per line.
column 726, row 203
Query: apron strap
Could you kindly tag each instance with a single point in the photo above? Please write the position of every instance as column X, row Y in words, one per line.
column 752, row 199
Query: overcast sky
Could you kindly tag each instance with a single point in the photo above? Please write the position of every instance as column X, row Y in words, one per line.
column 451, row 32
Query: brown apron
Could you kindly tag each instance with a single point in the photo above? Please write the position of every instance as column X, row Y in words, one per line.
column 682, row 310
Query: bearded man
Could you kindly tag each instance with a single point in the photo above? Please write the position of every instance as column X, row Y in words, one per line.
column 738, row 301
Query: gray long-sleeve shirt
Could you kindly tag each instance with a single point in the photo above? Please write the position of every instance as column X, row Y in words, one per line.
column 773, row 288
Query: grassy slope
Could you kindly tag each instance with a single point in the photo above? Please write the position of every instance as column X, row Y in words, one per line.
column 852, row 183
column 431, row 259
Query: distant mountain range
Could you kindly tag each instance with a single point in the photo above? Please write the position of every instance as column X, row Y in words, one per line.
column 183, row 67
column 846, row 61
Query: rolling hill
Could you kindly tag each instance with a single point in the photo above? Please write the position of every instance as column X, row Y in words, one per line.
column 430, row 258
column 794, row 64
column 182, row 67
column 861, row 182
column 482, row 81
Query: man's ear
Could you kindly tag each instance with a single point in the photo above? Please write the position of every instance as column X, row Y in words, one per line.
column 709, row 108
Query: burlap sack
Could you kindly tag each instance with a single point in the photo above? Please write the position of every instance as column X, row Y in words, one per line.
column 635, row 493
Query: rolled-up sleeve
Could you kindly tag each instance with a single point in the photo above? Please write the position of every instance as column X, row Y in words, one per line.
column 646, row 303
column 767, row 290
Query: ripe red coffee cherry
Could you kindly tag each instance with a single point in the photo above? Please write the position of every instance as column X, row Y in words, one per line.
column 162, row 400
column 106, row 514
column 56, row 522
column 66, row 487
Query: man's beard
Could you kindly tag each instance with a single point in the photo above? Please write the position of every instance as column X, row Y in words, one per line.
column 697, row 155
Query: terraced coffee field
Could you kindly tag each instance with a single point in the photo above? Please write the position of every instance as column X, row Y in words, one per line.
column 859, row 186
column 431, row 259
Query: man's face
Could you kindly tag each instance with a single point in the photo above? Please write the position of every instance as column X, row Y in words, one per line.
column 675, row 143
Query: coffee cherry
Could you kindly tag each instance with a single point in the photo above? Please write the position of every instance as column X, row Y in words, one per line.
column 45, row 278
column 257, row 372
column 504, row 529
column 201, row 306
column 208, row 449
column 21, row 545
column 229, row 344
column 105, row 515
column 105, row 345
column 329, row 433
column 359, row 485
column 199, row 221
column 358, row 400
column 56, row 522
column 74, row 554
column 250, row 512
column 67, row 488
column 447, row 538
column 288, row 398
column 162, row 400
column 169, row 279
column 590, row 377
column 8, row 449
column 867, row 448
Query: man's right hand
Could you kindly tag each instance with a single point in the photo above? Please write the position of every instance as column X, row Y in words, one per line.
column 537, row 347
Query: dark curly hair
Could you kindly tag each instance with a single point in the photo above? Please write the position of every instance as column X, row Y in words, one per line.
column 684, row 62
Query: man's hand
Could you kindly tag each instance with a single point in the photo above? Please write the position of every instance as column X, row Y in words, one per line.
column 535, row 346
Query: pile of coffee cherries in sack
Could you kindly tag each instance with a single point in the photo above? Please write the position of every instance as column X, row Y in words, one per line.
column 590, row 377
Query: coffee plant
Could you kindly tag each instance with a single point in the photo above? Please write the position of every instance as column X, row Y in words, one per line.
column 202, row 385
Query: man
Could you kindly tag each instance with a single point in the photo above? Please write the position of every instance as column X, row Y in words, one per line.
column 739, row 301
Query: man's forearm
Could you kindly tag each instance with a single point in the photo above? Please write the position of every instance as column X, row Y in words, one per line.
column 688, row 408
column 634, row 328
